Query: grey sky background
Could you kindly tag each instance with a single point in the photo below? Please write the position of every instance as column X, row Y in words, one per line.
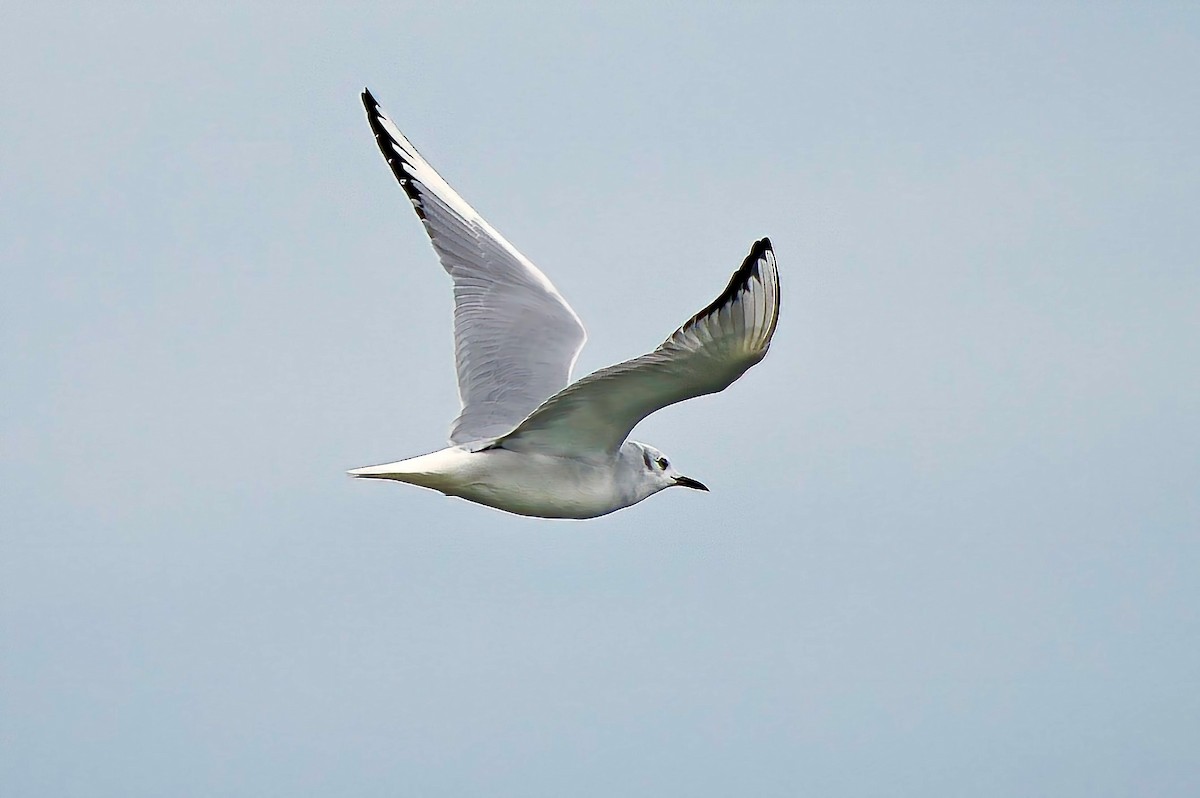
column 954, row 535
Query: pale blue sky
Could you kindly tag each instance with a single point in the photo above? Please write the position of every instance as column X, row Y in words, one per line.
column 954, row 535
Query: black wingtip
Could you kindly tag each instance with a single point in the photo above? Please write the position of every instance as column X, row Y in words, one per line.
column 395, row 160
column 758, row 251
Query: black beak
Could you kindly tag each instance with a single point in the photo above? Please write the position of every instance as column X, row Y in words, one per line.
column 688, row 482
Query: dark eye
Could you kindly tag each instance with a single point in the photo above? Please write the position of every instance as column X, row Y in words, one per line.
column 662, row 463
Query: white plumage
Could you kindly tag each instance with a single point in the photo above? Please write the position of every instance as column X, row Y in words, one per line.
column 526, row 440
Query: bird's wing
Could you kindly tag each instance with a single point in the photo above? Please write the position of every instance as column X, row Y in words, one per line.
column 515, row 337
column 592, row 417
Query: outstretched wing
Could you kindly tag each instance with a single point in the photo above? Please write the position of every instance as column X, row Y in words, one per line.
column 593, row 416
column 515, row 337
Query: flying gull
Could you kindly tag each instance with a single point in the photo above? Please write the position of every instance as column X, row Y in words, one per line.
column 528, row 440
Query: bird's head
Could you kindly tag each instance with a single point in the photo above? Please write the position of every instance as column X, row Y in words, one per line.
column 658, row 472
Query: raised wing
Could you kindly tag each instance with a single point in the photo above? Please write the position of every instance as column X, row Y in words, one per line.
column 595, row 415
column 515, row 337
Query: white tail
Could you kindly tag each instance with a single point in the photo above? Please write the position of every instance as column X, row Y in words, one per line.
column 428, row 470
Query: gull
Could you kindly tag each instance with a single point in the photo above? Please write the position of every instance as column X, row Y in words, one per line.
column 528, row 440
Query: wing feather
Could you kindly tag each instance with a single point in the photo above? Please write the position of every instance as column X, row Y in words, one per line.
column 594, row 416
column 515, row 338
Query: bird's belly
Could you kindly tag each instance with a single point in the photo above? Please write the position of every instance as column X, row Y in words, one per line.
column 546, row 487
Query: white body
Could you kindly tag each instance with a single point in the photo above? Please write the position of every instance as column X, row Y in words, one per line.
column 546, row 486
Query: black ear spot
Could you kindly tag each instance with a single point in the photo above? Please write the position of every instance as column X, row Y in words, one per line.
column 646, row 460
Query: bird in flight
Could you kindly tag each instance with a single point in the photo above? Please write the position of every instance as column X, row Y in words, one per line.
column 528, row 440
